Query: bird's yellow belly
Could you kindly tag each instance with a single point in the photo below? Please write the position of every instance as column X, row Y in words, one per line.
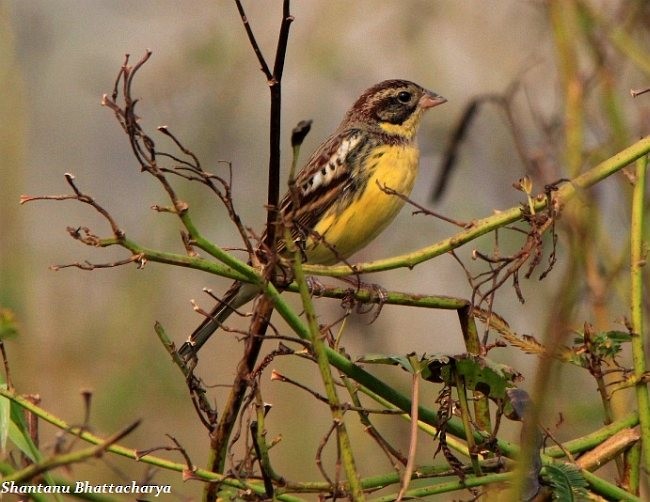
column 345, row 229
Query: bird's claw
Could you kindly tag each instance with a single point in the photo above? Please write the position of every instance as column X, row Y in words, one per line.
column 316, row 288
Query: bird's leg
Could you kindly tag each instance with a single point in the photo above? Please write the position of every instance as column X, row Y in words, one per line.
column 316, row 288
column 377, row 294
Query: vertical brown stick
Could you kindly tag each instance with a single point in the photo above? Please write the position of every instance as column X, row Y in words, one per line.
column 219, row 441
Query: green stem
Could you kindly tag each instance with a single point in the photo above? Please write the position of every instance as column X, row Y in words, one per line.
column 608, row 490
column 450, row 486
column 632, row 476
column 223, row 256
column 637, row 263
column 243, row 272
column 618, row 34
column 261, row 447
column 565, row 27
column 239, row 270
column 510, row 450
column 33, row 470
column 474, row 347
column 467, row 422
column 321, row 354
column 593, row 439
column 601, row 486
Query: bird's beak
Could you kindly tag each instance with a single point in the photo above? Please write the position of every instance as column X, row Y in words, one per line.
column 430, row 99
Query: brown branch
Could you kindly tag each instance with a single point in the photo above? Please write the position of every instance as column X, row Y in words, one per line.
column 251, row 38
column 147, row 155
column 5, row 360
column 189, row 469
column 81, row 197
column 319, row 454
column 197, row 164
column 503, row 268
column 220, row 438
column 204, row 409
column 637, row 92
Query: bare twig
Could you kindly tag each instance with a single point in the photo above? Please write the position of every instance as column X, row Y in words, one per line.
column 420, row 208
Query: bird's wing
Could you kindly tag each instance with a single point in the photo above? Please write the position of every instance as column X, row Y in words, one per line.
column 321, row 182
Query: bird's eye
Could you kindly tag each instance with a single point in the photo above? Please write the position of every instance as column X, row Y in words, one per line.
column 404, row 96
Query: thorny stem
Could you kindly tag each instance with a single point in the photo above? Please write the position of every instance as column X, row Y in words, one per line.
column 35, row 469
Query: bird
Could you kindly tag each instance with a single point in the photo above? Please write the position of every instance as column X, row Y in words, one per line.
column 340, row 201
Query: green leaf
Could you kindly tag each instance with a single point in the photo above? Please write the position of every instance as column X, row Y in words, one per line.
column 567, row 482
column 411, row 362
column 5, row 420
column 394, row 360
column 22, row 441
column 479, row 373
column 19, row 434
column 603, row 345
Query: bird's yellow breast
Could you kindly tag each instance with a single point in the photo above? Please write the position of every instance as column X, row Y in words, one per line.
column 347, row 227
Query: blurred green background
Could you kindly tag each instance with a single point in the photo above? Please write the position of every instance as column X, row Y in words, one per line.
column 94, row 330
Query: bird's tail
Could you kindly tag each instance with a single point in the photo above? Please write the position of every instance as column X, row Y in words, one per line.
column 237, row 295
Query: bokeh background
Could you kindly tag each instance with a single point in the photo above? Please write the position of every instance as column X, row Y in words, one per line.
column 94, row 330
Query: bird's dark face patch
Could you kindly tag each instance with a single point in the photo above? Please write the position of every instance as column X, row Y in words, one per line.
column 396, row 105
column 391, row 101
